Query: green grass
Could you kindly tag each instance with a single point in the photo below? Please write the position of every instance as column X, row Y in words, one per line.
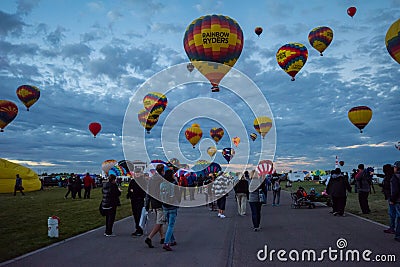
column 23, row 224
column 377, row 202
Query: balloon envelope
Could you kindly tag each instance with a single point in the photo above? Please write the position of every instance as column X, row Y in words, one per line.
column 258, row 30
column 155, row 103
column 8, row 172
column 216, row 134
column 211, row 151
column 253, row 136
column 236, row 141
column 262, row 125
column 392, row 41
column 265, row 167
column 291, row 58
column 117, row 171
column 213, row 43
column 107, row 165
column 190, row 67
column 28, row 94
column 228, row 153
column 147, row 119
column 193, row 134
column 320, row 38
column 351, row 11
column 94, row 128
column 360, row 116
column 8, row 112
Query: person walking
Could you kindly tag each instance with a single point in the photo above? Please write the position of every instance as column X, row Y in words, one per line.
column 363, row 181
column 169, row 193
column 76, row 186
column 70, row 182
column 18, row 185
column 388, row 171
column 88, row 182
column 242, row 194
column 136, row 195
column 183, row 183
column 153, row 199
column 109, row 203
column 220, row 187
column 395, row 197
column 336, row 188
column 257, row 186
column 192, row 181
column 276, row 191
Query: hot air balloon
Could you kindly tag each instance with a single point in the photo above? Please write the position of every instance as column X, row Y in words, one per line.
column 190, row 67
column 216, row 134
column 211, row 151
column 94, row 128
column 200, row 166
column 236, row 141
column 341, row 163
column 360, row 116
column 210, row 40
column 351, row 11
column 8, row 112
column 262, row 125
column 213, row 167
column 107, row 165
column 392, row 41
column 147, row 119
column 258, row 31
column 193, row 134
column 127, row 165
column 155, row 103
column 320, row 38
column 265, row 167
column 397, row 146
column 228, row 153
column 28, row 95
column 117, row 171
column 291, row 58
column 253, row 136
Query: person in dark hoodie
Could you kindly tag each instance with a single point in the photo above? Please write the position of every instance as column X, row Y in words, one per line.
column 386, row 190
column 109, row 203
column 336, row 188
column 395, row 197
column 242, row 194
column 136, row 194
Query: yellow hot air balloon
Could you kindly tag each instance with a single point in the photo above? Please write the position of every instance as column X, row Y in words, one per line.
column 211, row 151
column 236, row 141
column 291, row 58
column 392, row 41
column 262, row 125
column 155, row 103
column 193, row 134
column 320, row 38
column 360, row 116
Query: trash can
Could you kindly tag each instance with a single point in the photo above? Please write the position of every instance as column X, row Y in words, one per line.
column 52, row 226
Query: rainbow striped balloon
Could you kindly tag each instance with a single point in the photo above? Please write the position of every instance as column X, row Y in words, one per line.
column 117, row 171
column 291, row 58
column 155, row 103
column 320, row 38
column 392, row 41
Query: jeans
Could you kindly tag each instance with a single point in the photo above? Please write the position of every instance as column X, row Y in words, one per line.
column 255, row 213
column 392, row 216
column 241, row 199
column 277, row 196
column 110, row 219
column 170, row 214
column 397, row 230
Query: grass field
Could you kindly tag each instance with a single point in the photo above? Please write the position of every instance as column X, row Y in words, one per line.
column 23, row 224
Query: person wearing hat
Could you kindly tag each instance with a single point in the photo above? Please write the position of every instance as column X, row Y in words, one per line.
column 395, row 197
column 109, row 203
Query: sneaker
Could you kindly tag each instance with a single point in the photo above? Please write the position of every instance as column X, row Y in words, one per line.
column 148, row 242
column 256, row 229
column 222, row 216
column 219, row 214
column 389, row 231
column 137, row 234
column 112, row 235
column 162, row 240
column 173, row 244
column 335, row 213
column 167, row 247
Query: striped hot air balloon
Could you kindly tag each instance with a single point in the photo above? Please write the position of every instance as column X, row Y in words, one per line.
column 262, row 125
column 155, row 103
column 320, row 38
column 360, row 116
column 193, row 134
column 213, row 43
column 392, row 41
column 117, row 171
column 265, row 167
column 28, row 94
column 8, row 112
column 147, row 119
column 107, row 165
column 253, row 136
column 216, row 134
column 291, row 58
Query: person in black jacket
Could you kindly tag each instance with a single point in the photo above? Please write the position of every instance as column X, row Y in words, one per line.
column 386, row 190
column 336, row 188
column 136, row 194
column 242, row 194
column 109, row 203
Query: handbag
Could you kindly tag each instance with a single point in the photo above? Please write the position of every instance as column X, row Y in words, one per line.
column 262, row 197
column 143, row 218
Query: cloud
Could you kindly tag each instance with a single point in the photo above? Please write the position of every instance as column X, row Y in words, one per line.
column 55, row 38
column 25, row 7
column 10, row 24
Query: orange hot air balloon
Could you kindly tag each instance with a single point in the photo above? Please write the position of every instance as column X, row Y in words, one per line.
column 28, row 95
column 193, row 134
column 360, row 116
column 8, row 112
column 94, row 128
column 236, row 141
column 216, row 134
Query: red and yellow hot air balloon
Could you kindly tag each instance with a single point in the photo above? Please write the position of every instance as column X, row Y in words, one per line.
column 351, row 11
column 28, row 94
column 216, row 134
column 236, row 141
column 213, row 43
column 155, row 103
column 258, row 31
column 8, row 112
column 94, row 128
column 320, row 38
column 291, row 58
column 147, row 119
column 392, row 41
column 193, row 134
column 360, row 116
column 262, row 125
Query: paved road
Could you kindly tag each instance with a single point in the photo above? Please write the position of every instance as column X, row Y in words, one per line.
column 206, row 240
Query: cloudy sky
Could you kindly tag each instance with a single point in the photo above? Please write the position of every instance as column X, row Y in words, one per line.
column 95, row 60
